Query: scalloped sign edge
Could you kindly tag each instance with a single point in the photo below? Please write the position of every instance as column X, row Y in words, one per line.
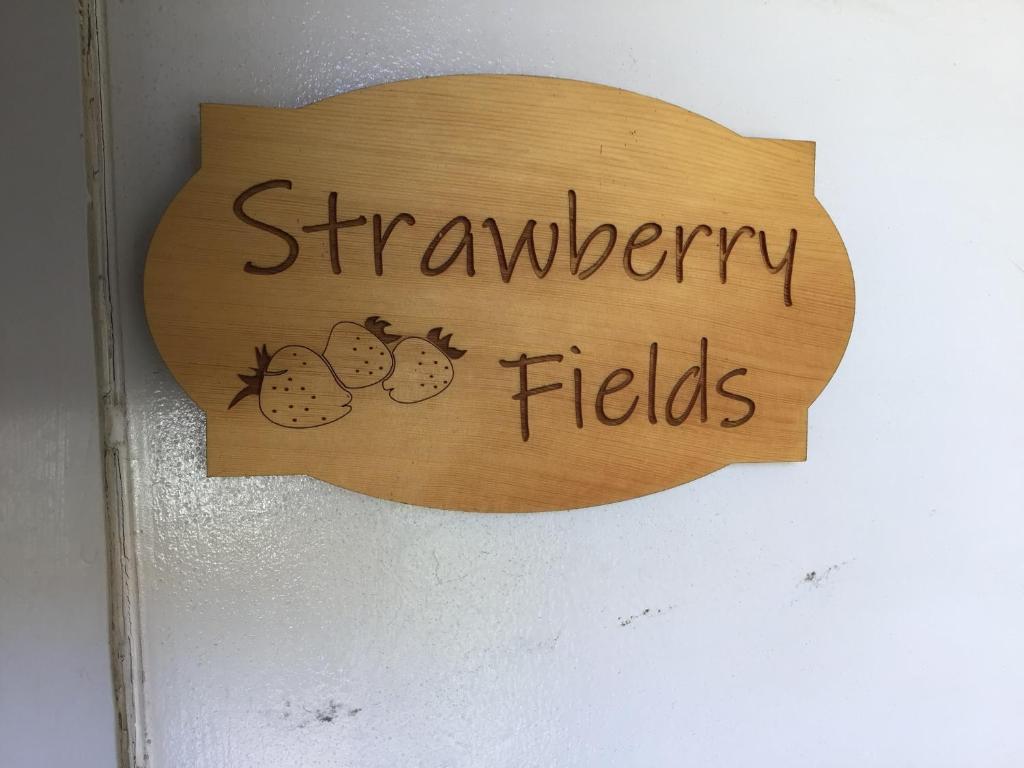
column 621, row 285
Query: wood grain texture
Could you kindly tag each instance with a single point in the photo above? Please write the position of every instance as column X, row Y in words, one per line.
column 364, row 265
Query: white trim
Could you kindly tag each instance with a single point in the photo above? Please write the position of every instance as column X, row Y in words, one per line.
column 125, row 625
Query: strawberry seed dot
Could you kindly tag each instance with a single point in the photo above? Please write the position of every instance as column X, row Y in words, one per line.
column 294, row 420
column 354, row 349
column 312, row 397
column 305, row 409
column 286, row 389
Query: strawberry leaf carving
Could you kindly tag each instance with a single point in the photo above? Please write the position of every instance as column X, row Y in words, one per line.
column 378, row 328
column 443, row 343
column 254, row 381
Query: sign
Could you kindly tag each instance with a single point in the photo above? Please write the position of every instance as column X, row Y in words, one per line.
column 497, row 293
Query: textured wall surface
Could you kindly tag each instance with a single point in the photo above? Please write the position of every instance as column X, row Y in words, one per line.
column 862, row 608
column 56, row 703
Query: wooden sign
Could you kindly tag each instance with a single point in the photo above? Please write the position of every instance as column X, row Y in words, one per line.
column 497, row 293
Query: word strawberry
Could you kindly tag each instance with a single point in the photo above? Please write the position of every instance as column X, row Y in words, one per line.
column 423, row 367
column 359, row 354
column 296, row 388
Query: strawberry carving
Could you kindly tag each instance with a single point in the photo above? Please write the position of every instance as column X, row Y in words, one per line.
column 296, row 388
column 359, row 354
column 423, row 367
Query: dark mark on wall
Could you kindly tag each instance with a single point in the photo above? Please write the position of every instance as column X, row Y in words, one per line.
column 815, row 578
column 325, row 714
column 625, row 621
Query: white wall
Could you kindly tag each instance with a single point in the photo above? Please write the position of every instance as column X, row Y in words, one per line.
column 56, row 703
column 863, row 608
